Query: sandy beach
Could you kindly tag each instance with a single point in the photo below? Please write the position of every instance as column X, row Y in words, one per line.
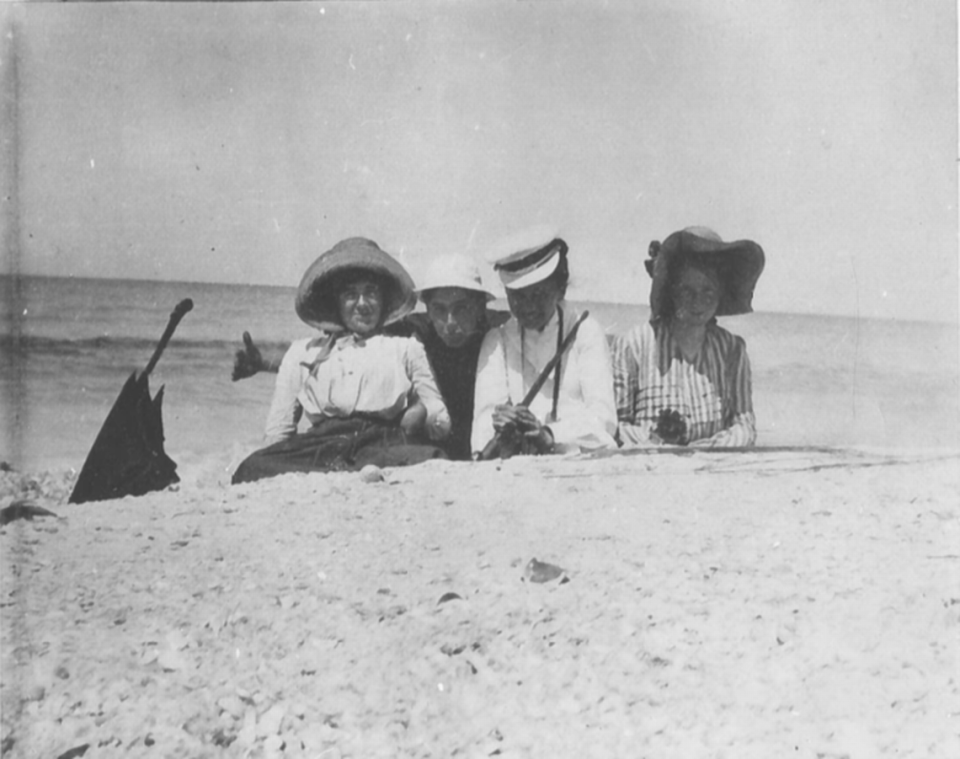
column 769, row 603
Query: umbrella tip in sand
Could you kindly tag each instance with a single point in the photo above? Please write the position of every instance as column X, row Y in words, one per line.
column 23, row 510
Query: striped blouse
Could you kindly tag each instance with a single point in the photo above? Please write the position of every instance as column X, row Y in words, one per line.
column 712, row 393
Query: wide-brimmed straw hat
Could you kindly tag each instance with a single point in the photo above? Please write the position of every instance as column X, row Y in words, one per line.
column 527, row 257
column 738, row 264
column 455, row 270
column 318, row 295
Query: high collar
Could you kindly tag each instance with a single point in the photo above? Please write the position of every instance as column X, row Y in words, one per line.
column 548, row 328
column 319, row 348
column 347, row 339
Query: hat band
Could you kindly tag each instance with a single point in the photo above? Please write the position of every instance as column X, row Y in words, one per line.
column 532, row 260
column 532, row 268
column 531, row 275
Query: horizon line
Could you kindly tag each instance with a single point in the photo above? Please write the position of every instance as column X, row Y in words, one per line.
column 6, row 275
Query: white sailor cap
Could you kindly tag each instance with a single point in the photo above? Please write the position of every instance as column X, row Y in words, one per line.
column 527, row 257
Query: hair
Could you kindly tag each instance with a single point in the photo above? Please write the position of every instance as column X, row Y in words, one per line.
column 561, row 275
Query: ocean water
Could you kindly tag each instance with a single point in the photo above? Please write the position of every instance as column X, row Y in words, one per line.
column 68, row 345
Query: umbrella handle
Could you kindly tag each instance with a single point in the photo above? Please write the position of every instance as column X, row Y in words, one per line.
column 491, row 448
column 183, row 307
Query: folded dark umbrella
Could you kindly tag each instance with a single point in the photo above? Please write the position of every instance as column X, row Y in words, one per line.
column 127, row 458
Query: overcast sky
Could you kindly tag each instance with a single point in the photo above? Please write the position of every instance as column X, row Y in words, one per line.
column 236, row 142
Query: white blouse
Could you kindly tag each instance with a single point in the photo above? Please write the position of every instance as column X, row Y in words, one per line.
column 337, row 376
column 511, row 359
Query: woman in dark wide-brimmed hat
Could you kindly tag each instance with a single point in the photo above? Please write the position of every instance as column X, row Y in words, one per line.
column 369, row 398
column 681, row 379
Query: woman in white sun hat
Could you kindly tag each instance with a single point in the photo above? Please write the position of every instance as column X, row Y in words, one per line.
column 574, row 410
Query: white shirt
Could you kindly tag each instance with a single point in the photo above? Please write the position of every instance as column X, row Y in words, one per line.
column 511, row 359
column 336, row 376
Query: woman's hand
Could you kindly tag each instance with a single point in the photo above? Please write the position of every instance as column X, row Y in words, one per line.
column 439, row 426
column 509, row 420
column 541, row 439
column 248, row 360
column 671, row 428
column 506, row 417
column 413, row 419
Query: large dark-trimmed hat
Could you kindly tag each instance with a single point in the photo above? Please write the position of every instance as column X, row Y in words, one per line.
column 318, row 295
column 738, row 264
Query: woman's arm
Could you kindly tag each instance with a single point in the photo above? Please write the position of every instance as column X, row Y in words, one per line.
column 741, row 430
column 285, row 409
column 636, row 435
column 428, row 409
column 742, row 433
column 490, row 389
column 633, row 432
column 593, row 424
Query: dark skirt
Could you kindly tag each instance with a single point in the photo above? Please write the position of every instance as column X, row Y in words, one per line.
column 337, row 445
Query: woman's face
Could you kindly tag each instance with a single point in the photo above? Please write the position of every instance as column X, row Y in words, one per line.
column 534, row 305
column 696, row 297
column 361, row 305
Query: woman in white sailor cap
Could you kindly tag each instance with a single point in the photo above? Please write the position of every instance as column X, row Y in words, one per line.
column 574, row 410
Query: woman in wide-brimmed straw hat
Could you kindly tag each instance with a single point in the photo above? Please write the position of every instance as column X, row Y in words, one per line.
column 681, row 379
column 574, row 408
column 369, row 398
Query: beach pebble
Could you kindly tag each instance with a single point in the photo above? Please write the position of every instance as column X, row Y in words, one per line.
column 232, row 705
column 271, row 720
column 176, row 640
column 247, row 735
column 314, row 737
column 292, row 746
column 273, row 745
column 226, row 723
column 298, row 710
column 34, row 693
column 541, row 571
column 171, row 661
column 371, row 473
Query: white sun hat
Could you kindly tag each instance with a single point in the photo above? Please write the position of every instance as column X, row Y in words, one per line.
column 453, row 270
